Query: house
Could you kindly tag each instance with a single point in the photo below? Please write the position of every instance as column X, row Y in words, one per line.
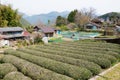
column 117, row 29
column 92, row 26
column 8, row 33
column 45, row 31
column 97, row 21
column 57, row 30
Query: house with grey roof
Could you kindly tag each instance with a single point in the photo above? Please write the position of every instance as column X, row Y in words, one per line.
column 92, row 26
column 45, row 31
column 14, row 33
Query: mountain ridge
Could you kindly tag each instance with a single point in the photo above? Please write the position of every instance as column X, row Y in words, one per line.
column 110, row 14
column 35, row 19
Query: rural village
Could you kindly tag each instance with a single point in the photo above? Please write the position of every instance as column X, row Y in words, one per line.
column 75, row 45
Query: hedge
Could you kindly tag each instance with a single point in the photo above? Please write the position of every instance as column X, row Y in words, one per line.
column 88, row 48
column 93, row 44
column 59, row 67
column 16, row 76
column 94, row 68
column 104, row 63
column 6, row 68
column 32, row 70
column 74, row 48
column 106, row 56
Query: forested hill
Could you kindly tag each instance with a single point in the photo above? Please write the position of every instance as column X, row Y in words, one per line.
column 110, row 15
column 45, row 17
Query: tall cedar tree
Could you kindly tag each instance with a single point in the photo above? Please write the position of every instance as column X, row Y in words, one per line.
column 71, row 16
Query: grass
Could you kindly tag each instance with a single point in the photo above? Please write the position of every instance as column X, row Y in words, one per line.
column 1, row 55
column 55, row 40
column 113, row 74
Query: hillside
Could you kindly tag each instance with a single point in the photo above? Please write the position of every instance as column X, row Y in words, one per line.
column 111, row 14
column 24, row 22
column 45, row 17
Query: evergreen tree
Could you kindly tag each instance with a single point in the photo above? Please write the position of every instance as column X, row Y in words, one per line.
column 61, row 21
column 71, row 16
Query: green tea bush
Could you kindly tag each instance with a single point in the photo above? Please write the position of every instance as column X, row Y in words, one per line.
column 59, row 67
column 88, row 49
column 32, row 70
column 90, row 44
column 104, row 63
column 106, row 56
column 94, row 68
column 16, row 76
column 6, row 68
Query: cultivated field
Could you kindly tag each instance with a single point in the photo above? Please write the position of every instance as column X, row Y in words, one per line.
column 59, row 61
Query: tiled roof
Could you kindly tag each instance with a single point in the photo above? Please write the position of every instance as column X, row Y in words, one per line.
column 47, row 29
column 6, row 29
column 91, row 24
column 25, row 33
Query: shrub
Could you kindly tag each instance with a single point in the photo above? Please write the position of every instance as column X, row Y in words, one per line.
column 94, row 68
column 5, row 68
column 16, row 76
column 84, row 52
column 104, row 63
column 89, row 48
column 59, row 67
column 34, row 71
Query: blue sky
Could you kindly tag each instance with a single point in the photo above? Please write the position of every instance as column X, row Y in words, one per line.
column 31, row 7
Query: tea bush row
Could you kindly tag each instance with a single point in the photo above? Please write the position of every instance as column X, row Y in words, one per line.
column 87, row 50
column 59, row 67
column 104, row 63
column 106, row 56
column 94, row 68
column 32, row 70
column 6, row 68
column 16, row 76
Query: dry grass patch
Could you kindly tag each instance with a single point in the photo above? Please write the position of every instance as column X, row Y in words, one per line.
column 112, row 74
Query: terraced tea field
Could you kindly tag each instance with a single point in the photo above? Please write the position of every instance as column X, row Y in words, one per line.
column 79, row 60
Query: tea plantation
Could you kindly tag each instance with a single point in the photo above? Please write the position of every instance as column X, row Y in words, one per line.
column 78, row 60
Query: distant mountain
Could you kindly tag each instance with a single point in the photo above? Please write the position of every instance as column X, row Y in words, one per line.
column 23, row 21
column 109, row 15
column 23, row 14
column 45, row 17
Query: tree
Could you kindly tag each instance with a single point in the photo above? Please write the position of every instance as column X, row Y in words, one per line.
column 84, row 16
column 8, row 16
column 48, row 22
column 61, row 21
column 71, row 16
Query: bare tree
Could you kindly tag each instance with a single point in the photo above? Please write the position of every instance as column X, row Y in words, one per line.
column 40, row 23
column 84, row 16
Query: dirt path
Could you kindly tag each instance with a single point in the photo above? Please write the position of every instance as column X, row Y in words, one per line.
column 104, row 72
